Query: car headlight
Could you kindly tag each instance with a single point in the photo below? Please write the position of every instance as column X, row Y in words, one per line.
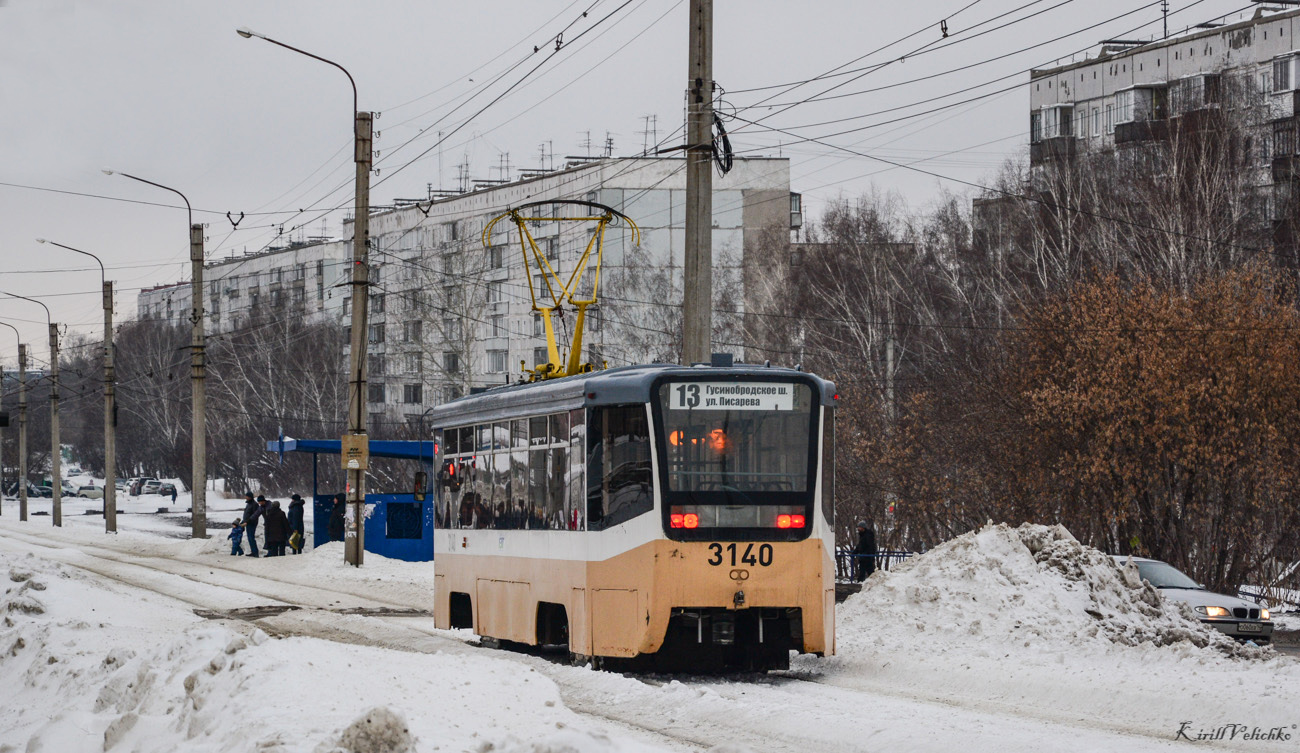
column 1263, row 614
column 1213, row 611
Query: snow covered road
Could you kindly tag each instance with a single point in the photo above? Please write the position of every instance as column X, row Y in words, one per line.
column 918, row 691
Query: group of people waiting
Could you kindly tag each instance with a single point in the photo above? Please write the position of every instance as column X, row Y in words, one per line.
column 282, row 529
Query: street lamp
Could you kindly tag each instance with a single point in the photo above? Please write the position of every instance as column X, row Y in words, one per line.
column 354, row 539
column 110, row 415
column 198, row 370
column 56, row 473
column 22, row 425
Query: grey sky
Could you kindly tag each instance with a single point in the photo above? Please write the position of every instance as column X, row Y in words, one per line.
column 166, row 90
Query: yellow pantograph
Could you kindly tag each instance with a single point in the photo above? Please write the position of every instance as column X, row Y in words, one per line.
column 549, row 294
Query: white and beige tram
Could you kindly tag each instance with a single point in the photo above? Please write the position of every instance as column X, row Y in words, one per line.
column 658, row 517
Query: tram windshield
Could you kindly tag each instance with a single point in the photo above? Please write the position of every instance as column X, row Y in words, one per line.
column 737, row 454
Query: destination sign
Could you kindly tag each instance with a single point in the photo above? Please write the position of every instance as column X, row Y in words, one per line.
column 773, row 396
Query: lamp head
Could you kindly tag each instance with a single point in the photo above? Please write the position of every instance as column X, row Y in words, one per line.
column 106, row 171
column 40, row 240
column 247, row 33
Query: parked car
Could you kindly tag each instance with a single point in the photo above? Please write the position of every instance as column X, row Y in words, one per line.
column 1238, row 618
column 69, row 488
column 120, row 484
column 91, row 492
column 166, row 489
column 150, row 486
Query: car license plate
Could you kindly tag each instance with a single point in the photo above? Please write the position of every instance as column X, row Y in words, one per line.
column 1249, row 627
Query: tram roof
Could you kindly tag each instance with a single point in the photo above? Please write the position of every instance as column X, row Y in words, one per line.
column 620, row 385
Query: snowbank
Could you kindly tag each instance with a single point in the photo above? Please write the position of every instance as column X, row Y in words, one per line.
column 1028, row 618
column 79, row 677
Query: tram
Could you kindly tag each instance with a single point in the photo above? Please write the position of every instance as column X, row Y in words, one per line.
column 654, row 517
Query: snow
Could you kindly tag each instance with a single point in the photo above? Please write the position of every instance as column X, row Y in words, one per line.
column 1001, row 640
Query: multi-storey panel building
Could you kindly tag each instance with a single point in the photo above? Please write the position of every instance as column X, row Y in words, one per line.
column 449, row 314
column 1140, row 93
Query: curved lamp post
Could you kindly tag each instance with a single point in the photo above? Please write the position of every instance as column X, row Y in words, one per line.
column 56, row 473
column 110, row 413
column 354, row 537
column 198, row 370
column 22, row 424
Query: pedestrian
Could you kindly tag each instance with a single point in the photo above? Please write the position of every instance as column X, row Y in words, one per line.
column 864, row 554
column 173, row 494
column 277, row 529
column 252, row 511
column 337, row 518
column 298, row 529
column 236, row 538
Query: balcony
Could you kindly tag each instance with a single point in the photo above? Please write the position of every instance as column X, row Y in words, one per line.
column 1138, row 131
column 1057, row 149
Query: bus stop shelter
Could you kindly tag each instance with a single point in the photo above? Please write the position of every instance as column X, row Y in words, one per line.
column 397, row 526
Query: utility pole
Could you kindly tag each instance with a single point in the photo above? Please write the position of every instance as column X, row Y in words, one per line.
column 110, row 418
column 56, row 452
column 198, row 372
column 697, row 271
column 22, row 431
column 354, row 546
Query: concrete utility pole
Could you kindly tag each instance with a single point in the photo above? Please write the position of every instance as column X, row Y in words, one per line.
column 354, row 547
column 110, row 417
column 56, row 450
column 198, row 393
column 22, row 431
column 354, row 537
column 697, row 272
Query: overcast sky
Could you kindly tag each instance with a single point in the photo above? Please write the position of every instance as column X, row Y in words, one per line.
column 165, row 89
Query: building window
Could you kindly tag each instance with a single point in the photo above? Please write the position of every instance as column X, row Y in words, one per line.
column 1096, row 121
column 498, row 325
column 552, row 248
column 412, row 394
column 1035, row 127
column 498, row 361
column 377, row 303
column 376, row 333
column 495, row 293
column 1110, row 118
column 277, row 275
column 298, row 295
column 497, row 254
column 451, row 363
column 375, row 364
column 540, row 357
column 300, row 272
column 453, row 329
column 414, row 364
column 451, row 393
column 412, row 332
column 1282, row 70
column 455, row 296
column 375, row 393
column 594, row 318
column 539, row 328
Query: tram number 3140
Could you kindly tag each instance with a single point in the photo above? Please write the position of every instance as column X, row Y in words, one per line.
column 763, row 557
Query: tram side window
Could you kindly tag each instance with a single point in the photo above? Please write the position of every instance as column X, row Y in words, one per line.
column 576, row 508
column 618, row 463
column 828, row 468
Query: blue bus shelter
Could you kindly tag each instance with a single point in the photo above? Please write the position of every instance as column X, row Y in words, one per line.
column 398, row 526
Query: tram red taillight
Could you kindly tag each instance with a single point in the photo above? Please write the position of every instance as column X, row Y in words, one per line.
column 783, row 521
column 790, row 521
column 797, row 521
column 676, row 520
column 691, row 520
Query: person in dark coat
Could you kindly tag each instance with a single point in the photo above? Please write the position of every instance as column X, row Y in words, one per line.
column 864, row 560
column 336, row 518
column 277, row 529
column 296, row 524
column 252, row 511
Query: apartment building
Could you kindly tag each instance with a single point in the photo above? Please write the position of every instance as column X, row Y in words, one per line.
column 449, row 314
column 300, row 279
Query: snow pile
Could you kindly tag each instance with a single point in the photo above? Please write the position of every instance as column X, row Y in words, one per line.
column 91, row 665
column 1032, row 584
